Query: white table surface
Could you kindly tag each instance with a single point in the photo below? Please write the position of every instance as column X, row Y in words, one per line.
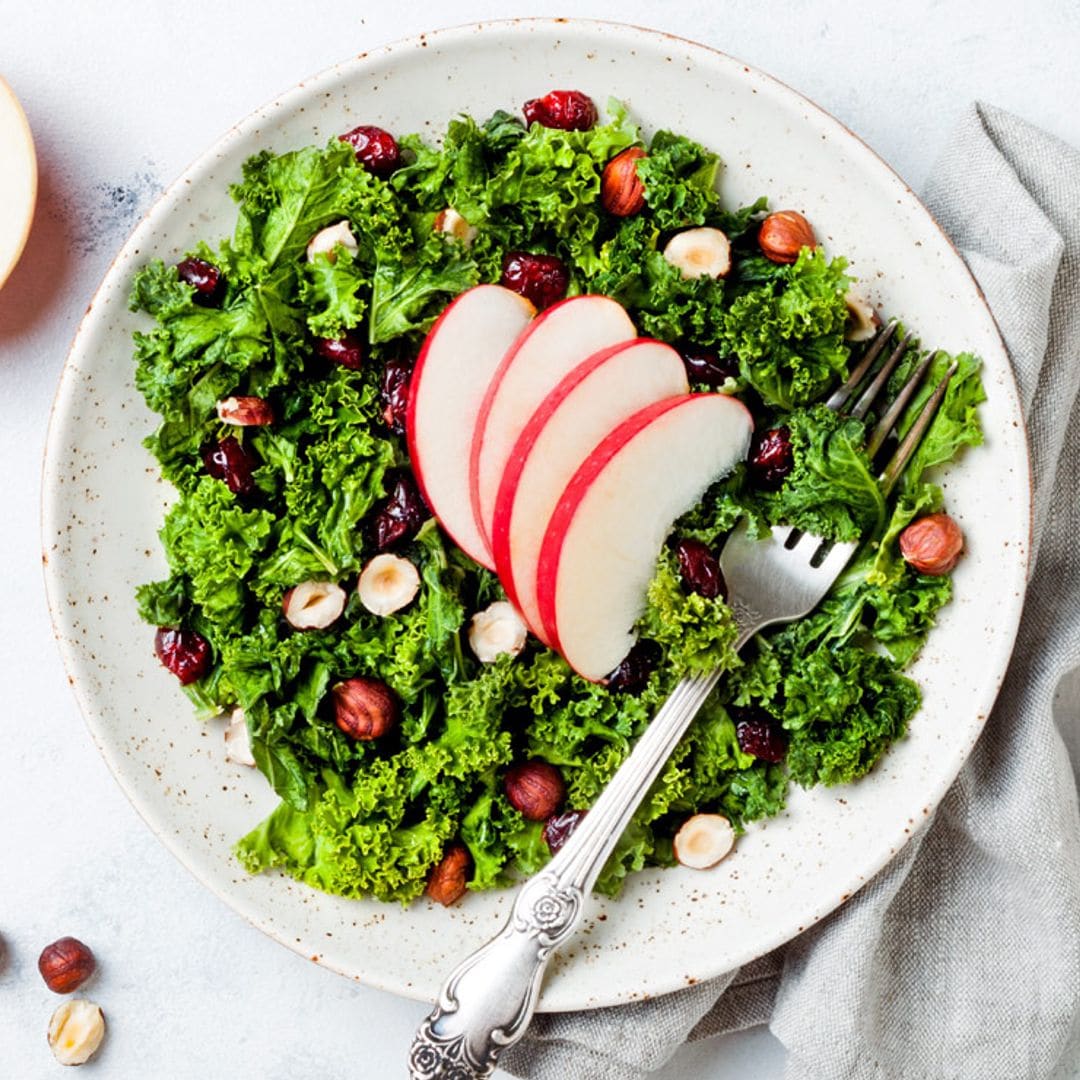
column 121, row 97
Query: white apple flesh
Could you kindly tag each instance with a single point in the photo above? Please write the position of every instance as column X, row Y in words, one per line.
column 460, row 354
column 556, row 342
column 588, row 403
column 600, row 548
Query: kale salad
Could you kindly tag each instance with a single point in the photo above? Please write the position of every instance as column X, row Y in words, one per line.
column 280, row 370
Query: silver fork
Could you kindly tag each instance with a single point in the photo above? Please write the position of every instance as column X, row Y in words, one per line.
column 486, row 1003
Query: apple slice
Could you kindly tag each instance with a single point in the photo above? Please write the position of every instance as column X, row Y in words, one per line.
column 555, row 343
column 589, row 401
column 600, row 547
column 459, row 356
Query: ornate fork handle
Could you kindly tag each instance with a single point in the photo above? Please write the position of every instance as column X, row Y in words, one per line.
column 488, row 1000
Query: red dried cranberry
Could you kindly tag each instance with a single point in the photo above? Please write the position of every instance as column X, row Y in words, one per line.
column 771, row 457
column 377, row 150
column 395, row 394
column 541, row 279
column 704, row 366
column 401, row 514
column 558, row 829
column 570, row 110
column 231, row 461
column 204, row 278
column 759, row 734
column 632, row 675
column 184, row 652
column 700, row 568
column 348, row 351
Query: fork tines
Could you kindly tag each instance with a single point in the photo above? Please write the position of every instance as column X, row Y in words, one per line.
column 877, row 382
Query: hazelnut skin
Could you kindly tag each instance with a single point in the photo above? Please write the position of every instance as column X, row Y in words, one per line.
column 66, row 964
column 621, row 192
column 535, row 789
column 784, row 234
column 365, row 708
column 447, row 884
column 932, row 545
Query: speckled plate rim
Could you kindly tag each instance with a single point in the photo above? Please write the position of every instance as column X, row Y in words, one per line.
column 1014, row 579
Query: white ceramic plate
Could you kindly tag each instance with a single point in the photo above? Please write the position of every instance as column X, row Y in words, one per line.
column 18, row 180
column 103, row 504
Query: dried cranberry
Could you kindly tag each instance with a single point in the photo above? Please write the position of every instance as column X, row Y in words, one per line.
column 700, row 568
column 401, row 514
column 570, row 110
column 771, row 457
column 377, row 150
column 395, row 394
column 348, row 351
column 632, row 675
column 559, row 827
column 204, row 278
column 541, row 279
column 759, row 734
column 231, row 461
column 704, row 366
column 184, row 652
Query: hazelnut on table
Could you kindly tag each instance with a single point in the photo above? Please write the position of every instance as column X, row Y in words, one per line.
column 75, row 1031
column 66, row 964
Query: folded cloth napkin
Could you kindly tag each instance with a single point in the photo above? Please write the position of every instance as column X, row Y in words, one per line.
column 962, row 957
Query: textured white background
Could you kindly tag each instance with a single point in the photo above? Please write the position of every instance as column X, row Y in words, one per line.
column 121, row 97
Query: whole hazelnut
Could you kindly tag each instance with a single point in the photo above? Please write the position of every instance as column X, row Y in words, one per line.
column 932, row 545
column 784, row 234
column 66, row 964
column 365, row 708
column 621, row 192
column 75, row 1031
column 448, row 881
column 534, row 788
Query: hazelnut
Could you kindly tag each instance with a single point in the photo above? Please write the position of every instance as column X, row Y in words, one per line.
column 450, row 223
column 703, row 252
column 862, row 321
column 66, row 964
column 75, row 1031
column 387, row 584
column 325, row 241
column 238, row 740
column 784, row 234
column 245, row 411
column 365, row 708
column 496, row 630
column 535, row 789
column 313, row 605
column 447, row 884
column 932, row 544
column 703, row 840
column 621, row 192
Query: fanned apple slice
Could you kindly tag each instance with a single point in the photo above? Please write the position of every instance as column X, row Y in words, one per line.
column 591, row 400
column 601, row 545
column 556, row 342
column 460, row 354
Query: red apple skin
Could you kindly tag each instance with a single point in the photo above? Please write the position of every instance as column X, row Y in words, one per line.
column 489, row 399
column 411, row 434
column 515, row 466
column 576, row 489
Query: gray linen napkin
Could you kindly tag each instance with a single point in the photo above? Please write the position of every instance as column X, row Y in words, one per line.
column 962, row 958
